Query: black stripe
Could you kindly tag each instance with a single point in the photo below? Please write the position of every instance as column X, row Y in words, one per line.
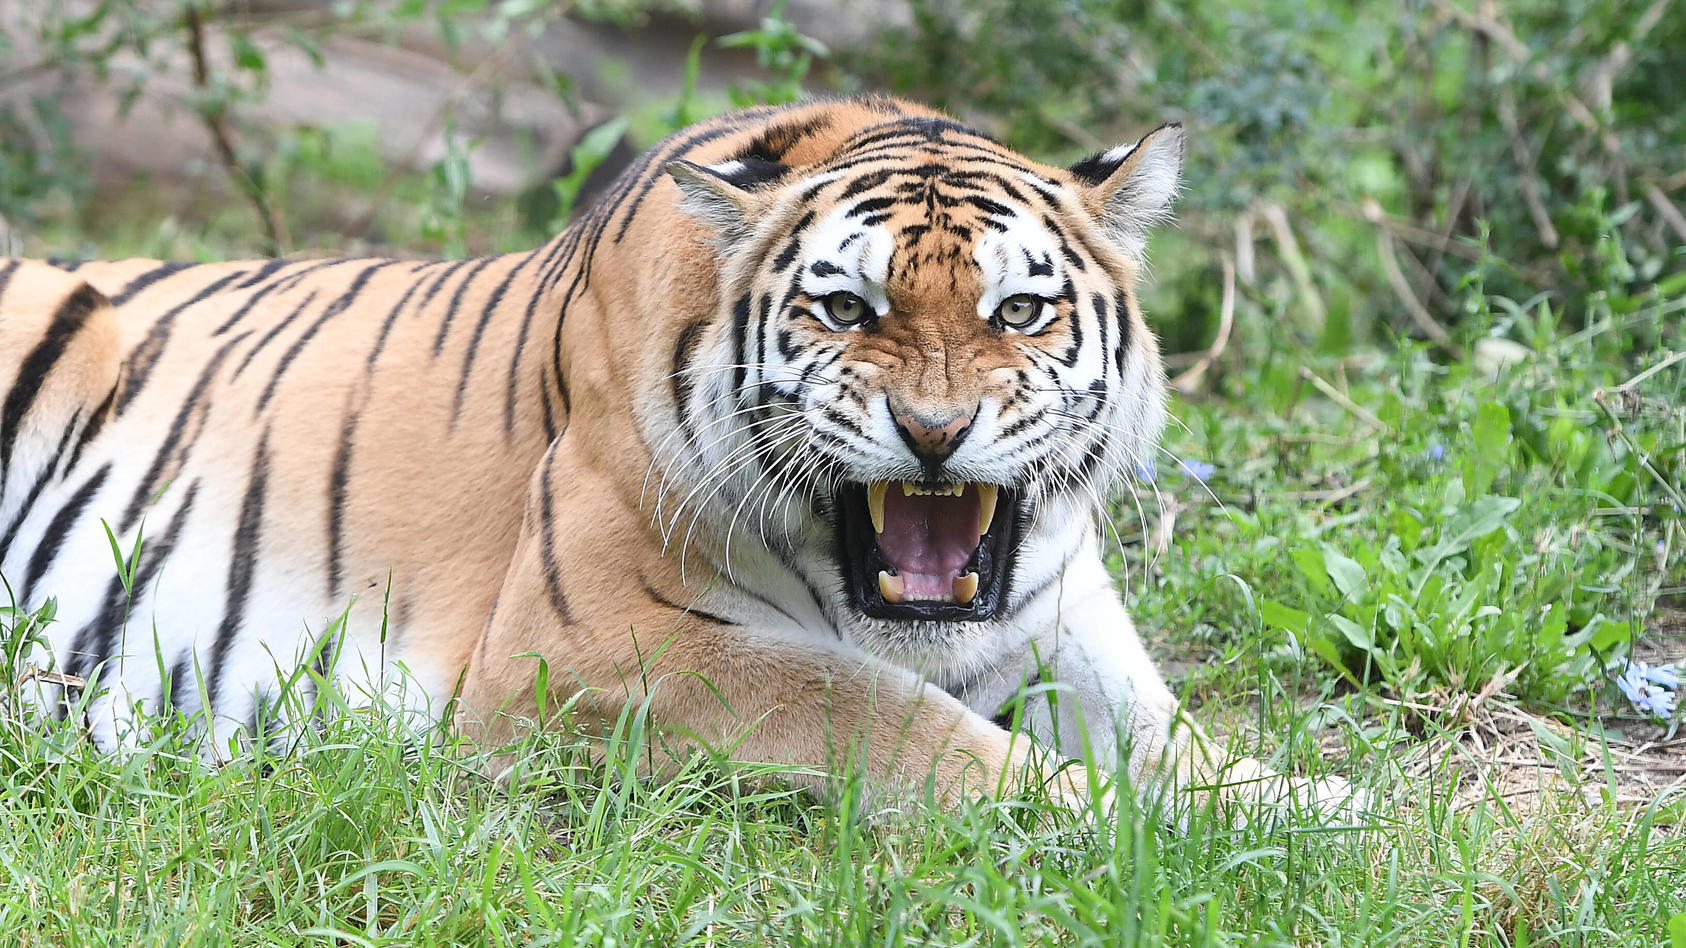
column 72, row 315
column 338, row 478
column 1003, row 718
column 266, row 289
column 6, row 275
column 456, row 302
column 547, row 549
column 178, row 682
column 263, row 273
column 333, row 309
column 144, row 358
column 566, row 243
column 96, row 421
column 104, row 628
column 653, row 593
column 62, row 523
column 149, row 484
column 680, row 377
column 740, row 344
column 445, row 274
column 242, row 566
column 486, row 312
column 147, row 279
column 386, row 329
column 273, row 332
column 41, row 481
column 84, row 654
column 1122, row 303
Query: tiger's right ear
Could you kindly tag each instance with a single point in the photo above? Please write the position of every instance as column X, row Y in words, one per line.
column 726, row 198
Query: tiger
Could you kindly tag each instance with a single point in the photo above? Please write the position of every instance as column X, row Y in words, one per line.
column 801, row 437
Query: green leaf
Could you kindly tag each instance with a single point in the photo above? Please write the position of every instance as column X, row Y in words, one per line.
column 1347, row 575
column 1492, row 447
column 1283, row 617
column 587, row 156
column 247, row 56
column 1677, row 931
column 1353, row 632
column 1312, row 567
column 1468, row 524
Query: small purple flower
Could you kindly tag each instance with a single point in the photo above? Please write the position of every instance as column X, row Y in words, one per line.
column 1648, row 687
column 1436, row 452
column 1665, row 675
column 1145, row 471
column 1199, row 470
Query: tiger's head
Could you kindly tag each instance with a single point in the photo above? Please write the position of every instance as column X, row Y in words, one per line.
column 932, row 365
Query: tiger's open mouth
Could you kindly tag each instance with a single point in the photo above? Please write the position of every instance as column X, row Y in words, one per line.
column 926, row 551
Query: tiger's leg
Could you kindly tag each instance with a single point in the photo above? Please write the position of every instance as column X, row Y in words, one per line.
column 1097, row 690
column 611, row 632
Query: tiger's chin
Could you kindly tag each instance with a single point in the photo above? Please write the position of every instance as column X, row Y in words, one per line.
column 930, row 552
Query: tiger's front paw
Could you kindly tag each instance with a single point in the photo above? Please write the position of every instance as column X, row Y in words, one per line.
column 1249, row 792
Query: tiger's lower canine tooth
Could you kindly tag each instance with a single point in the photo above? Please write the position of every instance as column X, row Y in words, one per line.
column 965, row 586
column 875, row 503
column 893, row 587
column 988, row 494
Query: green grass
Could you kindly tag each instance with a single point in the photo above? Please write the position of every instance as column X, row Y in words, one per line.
column 1345, row 598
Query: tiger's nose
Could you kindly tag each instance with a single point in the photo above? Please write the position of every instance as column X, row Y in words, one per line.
column 932, row 437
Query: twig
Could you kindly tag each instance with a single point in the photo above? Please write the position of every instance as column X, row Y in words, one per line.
column 1601, row 397
column 1340, row 398
column 1277, row 218
column 1186, row 381
column 1244, row 247
column 1666, row 209
column 215, row 114
column 1525, row 160
column 1250, row 501
column 1402, row 288
column 1406, row 230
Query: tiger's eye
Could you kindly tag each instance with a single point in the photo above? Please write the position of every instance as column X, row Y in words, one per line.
column 1019, row 311
column 846, row 309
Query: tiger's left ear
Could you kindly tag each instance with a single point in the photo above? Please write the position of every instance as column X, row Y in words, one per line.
column 1130, row 188
column 727, row 197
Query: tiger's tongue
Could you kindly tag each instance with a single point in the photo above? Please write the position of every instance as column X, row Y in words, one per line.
column 929, row 538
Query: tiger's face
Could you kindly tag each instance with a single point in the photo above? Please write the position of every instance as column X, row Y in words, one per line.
column 934, row 354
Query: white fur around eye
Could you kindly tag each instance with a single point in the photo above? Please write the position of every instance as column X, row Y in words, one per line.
column 861, row 253
column 1006, row 261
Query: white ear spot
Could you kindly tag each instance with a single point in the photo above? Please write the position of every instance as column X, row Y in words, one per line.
column 1116, row 156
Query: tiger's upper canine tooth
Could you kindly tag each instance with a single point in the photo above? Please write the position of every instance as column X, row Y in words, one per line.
column 988, row 494
column 892, row 588
column 875, row 503
column 965, row 586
